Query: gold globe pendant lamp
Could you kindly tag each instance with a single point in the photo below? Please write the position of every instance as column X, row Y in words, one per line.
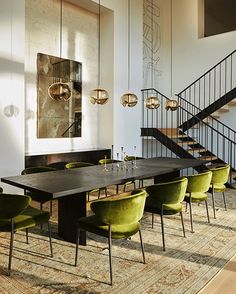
column 59, row 90
column 152, row 102
column 171, row 104
column 99, row 95
column 129, row 99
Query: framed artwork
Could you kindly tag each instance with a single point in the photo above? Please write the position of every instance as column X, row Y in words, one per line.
column 59, row 97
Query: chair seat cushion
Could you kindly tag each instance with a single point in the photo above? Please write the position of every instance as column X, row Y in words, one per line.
column 28, row 218
column 39, row 197
column 218, row 188
column 168, row 209
column 196, row 197
column 94, row 225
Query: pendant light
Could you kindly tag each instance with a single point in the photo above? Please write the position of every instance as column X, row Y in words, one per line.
column 129, row 99
column 99, row 95
column 59, row 90
column 152, row 102
column 171, row 104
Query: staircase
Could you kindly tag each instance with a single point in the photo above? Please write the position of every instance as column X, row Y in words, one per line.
column 166, row 134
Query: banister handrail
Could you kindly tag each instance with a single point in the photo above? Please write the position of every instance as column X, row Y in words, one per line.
column 207, row 72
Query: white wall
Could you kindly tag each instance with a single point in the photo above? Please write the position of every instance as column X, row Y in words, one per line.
column 12, row 30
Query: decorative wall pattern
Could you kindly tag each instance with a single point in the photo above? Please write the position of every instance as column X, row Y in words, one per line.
column 151, row 44
column 59, row 112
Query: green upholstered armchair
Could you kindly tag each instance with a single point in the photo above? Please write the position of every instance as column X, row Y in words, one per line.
column 39, row 197
column 16, row 214
column 79, row 164
column 57, row 165
column 198, row 185
column 109, row 160
column 220, row 177
column 166, row 199
column 115, row 217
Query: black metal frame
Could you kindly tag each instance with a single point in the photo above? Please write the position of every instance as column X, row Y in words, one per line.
column 109, row 247
column 12, row 231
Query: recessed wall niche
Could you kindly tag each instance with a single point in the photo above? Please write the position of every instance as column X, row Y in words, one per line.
column 59, row 95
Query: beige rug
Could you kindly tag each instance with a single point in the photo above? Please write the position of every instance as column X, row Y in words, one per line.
column 186, row 266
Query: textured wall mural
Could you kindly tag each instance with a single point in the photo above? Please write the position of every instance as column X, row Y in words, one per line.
column 59, row 97
column 151, row 43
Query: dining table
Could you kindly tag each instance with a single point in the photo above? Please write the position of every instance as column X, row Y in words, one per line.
column 70, row 186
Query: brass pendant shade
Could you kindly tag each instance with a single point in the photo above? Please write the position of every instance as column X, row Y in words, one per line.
column 99, row 96
column 152, row 102
column 171, row 104
column 129, row 99
column 59, row 91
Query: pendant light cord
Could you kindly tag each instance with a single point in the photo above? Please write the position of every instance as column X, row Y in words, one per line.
column 171, row 49
column 99, row 45
column 129, row 45
column 152, row 55
column 60, row 44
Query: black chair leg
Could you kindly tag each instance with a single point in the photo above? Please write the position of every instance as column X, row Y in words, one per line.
column 27, row 235
column 134, row 185
column 106, row 191
column 162, row 230
column 110, row 255
column 11, row 248
column 152, row 220
column 77, row 246
column 50, row 207
column 41, row 208
column 117, row 189
column 213, row 202
column 50, row 238
column 223, row 193
column 99, row 192
column 208, row 218
column 142, row 247
column 182, row 221
column 191, row 214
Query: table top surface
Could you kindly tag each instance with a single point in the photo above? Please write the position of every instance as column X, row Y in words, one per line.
column 71, row 181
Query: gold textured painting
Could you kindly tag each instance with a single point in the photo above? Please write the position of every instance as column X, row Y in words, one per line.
column 59, row 97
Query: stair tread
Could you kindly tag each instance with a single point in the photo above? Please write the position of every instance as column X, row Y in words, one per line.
column 207, row 157
column 186, row 142
column 192, row 150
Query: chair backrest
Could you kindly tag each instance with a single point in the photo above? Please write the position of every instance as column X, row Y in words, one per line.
column 37, row 169
column 57, row 165
column 220, row 174
column 123, row 209
column 171, row 192
column 199, row 182
column 131, row 157
column 77, row 164
column 108, row 160
column 12, row 205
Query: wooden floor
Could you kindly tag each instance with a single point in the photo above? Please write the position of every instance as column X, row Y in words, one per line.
column 224, row 282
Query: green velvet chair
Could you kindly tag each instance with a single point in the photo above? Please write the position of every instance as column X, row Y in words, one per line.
column 108, row 161
column 79, row 164
column 220, row 177
column 198, row 185
column 16, row 214
column 59, row 165
column 41, row 198
column 132, row 158
column 166, row 199
column 115, row 217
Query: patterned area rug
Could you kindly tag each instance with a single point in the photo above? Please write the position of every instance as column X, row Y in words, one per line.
column 186, row 266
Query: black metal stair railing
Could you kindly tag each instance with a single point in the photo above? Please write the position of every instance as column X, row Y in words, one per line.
column 214, row 84
column 210, row 120
column 162, row 135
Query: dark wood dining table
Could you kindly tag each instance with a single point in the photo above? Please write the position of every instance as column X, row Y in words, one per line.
column 69, row 186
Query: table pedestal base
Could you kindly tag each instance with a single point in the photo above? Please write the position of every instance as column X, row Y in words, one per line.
column 70, row 209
